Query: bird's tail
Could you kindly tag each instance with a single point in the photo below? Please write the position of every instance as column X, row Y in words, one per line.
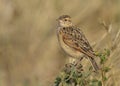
column 94, row 64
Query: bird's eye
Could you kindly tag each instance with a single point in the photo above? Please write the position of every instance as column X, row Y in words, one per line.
column 65, row 19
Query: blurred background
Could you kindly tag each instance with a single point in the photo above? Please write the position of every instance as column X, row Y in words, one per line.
column 29, row 51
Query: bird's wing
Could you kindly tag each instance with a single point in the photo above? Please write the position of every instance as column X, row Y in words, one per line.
column 75, row 38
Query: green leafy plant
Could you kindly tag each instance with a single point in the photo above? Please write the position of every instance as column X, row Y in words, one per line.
column 73, row 74
column 104, row 69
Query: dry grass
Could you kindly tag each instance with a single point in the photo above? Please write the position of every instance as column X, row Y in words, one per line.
column 29, row 51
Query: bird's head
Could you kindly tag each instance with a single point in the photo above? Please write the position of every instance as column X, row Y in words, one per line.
column 64, row 21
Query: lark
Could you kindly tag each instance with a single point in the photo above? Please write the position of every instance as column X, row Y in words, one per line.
column 73, row 41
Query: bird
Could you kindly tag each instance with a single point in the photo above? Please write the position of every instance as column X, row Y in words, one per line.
column 73, row 41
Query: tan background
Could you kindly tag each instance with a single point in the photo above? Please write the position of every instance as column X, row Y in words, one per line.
column 29, row 50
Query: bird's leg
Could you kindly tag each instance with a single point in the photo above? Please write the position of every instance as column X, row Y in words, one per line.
column 79, row 60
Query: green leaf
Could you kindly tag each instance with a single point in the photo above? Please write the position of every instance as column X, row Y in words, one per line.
column 57, row 81
column 99, row 83
column 105, row 78
column 107, row 52
column 94, row 80
column 106, row 69
column 103, row 59
column 98, row 54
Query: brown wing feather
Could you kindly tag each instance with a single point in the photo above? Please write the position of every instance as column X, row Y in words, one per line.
column 74, row 38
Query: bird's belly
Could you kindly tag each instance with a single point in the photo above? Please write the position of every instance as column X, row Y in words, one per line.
column 70, row 51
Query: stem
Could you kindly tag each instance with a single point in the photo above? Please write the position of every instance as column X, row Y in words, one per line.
column 103, row 81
